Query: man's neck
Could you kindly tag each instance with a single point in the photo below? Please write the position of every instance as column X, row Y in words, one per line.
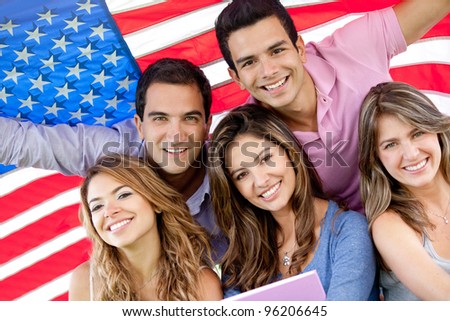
column 186, row 183
column 301, row 115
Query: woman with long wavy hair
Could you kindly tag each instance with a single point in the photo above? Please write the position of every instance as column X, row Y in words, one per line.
column 145, row 244
column 269, row 203
column 404, row 143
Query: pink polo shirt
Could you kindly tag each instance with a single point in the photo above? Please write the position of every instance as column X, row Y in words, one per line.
column 344, row 66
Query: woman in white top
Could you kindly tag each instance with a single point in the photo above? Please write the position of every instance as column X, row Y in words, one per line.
column 146, row 246
column 404, row 143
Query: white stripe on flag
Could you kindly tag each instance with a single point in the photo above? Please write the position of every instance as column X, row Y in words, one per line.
column 441, row 100
column 48, row 291
column 118, row 6
column 11, row 181
column 37, row 212
column 167, row 33
column 41, row 252
column 217, row 73
column 299, row 3
column 430, row 50
column 318, row 33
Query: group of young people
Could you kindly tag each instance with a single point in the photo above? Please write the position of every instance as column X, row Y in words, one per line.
column 282, row 185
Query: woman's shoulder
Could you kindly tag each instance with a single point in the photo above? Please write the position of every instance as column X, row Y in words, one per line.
column 82, row 272
column 391, row 224
column 79, row 289
column 341, row 216
column 388, row 218
column 210, row 285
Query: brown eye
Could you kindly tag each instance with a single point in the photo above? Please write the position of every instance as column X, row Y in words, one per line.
column 96, row 208
column 241, row 176
column 266, row 158
column 124, row 195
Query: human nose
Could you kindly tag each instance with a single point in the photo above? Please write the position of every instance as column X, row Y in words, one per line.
column 268, row 67
column 175, row 132
column 261, row 178
column 111, row 208
column 410, row 151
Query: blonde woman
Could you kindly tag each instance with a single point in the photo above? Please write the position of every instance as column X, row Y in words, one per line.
column 146, row 245
column 404, row 143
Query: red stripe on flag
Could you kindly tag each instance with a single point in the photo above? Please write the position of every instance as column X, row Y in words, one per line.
column 425, row 76
column 141, row 18
column 45, row 271
column 227, row 97
column 36, row 192
column 311, row 16
column 441, row 29
column 199, row 50
column 39, row 232
column 63, row 297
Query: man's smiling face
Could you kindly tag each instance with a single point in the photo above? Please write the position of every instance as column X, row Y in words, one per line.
column 174, row 126
column 268, row 65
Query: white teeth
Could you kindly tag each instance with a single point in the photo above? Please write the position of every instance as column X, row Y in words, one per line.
column 175, row 150
column 120, row 224
column 271, row 191
column 276, row 85
column 416, row 167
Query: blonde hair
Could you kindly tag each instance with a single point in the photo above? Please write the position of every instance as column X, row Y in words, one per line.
column 252, row 256
column 184, row 245
column 379, row 190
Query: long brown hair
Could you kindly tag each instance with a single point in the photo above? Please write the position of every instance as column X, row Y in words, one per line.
column 252, row 256
column 184, row 245
column 379, row 190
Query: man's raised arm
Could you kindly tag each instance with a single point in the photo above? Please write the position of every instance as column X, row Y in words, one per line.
column 69, row 150
column 416, row 17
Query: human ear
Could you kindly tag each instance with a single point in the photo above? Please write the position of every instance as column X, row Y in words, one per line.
column 300, row 44
column 233, row 74
column 208, row 128
column 138, row 123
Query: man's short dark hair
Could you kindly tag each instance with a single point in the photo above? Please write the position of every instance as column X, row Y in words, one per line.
column 244, row 13
column 173, row 71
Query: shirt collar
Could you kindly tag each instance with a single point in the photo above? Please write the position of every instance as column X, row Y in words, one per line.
column 196, row 200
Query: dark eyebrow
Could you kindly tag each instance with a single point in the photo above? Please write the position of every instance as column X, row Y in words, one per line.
column 194, row 113
column 257, row 157
column 112, row 192
column 272, row 47
column 277, row 44
column 243, row 59
column 156, row 113
column 160, row 113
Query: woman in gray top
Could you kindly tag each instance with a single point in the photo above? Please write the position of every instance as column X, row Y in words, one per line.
column 405, row 185
column 269, row 204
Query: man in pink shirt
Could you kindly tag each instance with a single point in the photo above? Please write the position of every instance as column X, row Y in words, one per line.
column 318, row 88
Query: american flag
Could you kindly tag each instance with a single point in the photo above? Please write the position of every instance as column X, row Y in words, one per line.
column 68, row 61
